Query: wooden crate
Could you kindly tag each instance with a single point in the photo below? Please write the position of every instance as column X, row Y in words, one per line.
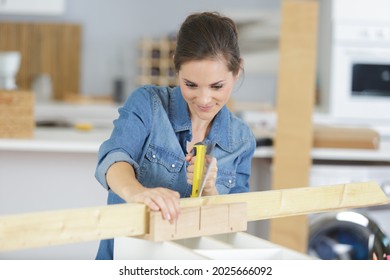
column 16, row 114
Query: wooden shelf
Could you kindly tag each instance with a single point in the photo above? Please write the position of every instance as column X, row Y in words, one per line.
column 156, row 62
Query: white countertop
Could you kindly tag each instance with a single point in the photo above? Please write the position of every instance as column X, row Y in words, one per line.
column 73, row 140
column 58, row 140
column 381, row 154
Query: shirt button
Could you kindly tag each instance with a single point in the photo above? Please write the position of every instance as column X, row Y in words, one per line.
column 173, row 165
column 153, row 156
column 230, row 181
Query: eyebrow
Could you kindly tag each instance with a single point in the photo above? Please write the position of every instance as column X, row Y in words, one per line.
column 213, row 84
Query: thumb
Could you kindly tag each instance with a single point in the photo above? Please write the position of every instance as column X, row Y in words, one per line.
column 189, row 157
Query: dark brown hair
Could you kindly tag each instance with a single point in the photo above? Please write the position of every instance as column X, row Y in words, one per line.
column 208, row 35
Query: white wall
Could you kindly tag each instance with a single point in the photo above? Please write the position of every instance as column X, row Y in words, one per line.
column 111, row 30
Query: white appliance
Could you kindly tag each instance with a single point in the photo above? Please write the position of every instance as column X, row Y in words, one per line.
column 354, row 59
column 358, row 233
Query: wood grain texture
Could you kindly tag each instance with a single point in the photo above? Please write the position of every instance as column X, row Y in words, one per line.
column 199, row 221
column 87, row 224
column 297, row 201
column 17, row 119
column 52, row 48
column 294, row 105
column 327, row 136
column 70, row 226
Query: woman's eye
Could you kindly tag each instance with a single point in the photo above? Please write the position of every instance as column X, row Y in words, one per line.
column 190, row 85
column 217, row 86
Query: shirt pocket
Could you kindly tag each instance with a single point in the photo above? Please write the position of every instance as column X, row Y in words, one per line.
column 226, row 180
column 165, row 158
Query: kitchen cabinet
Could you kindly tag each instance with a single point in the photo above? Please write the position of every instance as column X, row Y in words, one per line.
column 48, row 49
column 33, row 7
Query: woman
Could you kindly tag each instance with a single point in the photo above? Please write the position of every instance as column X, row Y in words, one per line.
column 148, row 157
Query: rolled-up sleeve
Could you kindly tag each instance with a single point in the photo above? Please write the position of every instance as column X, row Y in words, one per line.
column 130, row 132
column 111, row 158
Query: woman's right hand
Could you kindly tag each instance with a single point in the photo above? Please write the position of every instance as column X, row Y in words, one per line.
column 159, row 199
column 121, row 179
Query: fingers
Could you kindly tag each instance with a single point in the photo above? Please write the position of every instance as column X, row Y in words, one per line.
column 168, row 202
column 189, row 157
column 150, row 203
column 161, row 199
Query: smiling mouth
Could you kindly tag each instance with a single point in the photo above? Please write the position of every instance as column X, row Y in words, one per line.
column 205, row 108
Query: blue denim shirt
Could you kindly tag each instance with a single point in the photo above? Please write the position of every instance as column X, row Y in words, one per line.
column 151, row 134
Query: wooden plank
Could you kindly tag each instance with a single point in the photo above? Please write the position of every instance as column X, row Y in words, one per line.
column 199, row 221
column 297, row 201
column 294, row 105
column 78, row 225
column 327, row 136
column 71, row 226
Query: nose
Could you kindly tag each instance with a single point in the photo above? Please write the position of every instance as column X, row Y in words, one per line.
column 204, row 96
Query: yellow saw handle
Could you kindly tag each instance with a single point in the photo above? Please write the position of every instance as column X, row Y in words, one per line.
column 200, row 156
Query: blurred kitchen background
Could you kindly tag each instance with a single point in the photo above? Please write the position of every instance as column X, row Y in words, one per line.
column 111, row 32
column 67, row 65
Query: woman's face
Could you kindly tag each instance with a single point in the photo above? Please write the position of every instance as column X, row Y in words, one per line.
column 206, row 86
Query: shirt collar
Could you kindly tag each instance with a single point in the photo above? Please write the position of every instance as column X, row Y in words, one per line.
column 220, row 132
column 178, row 111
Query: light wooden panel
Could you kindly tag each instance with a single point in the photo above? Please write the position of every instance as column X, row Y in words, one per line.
column 295, row 101
column 327, row 136
column 70, row 226
column 16, row 114
column 52, row 48
column 199, row 221
column 77, row 225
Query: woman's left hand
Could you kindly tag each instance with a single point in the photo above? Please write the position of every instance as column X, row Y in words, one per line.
column 210, row 183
